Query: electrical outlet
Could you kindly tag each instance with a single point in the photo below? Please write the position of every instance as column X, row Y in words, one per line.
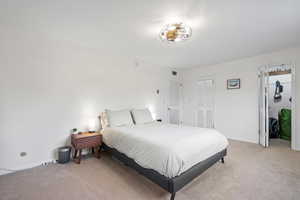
column 22, row 154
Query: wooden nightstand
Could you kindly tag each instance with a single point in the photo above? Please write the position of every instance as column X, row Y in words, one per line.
column 86, row 140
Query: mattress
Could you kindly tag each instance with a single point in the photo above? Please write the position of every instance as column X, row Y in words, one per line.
column 166, row 148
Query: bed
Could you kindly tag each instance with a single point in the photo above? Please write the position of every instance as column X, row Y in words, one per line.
column 169, row 155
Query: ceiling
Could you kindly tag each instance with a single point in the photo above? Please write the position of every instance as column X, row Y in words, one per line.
column 222, row 30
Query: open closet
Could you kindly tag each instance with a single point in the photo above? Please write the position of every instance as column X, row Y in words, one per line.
column 280, row 106
column 276, row 106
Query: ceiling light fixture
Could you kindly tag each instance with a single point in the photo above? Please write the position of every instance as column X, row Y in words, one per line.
column 175, row 32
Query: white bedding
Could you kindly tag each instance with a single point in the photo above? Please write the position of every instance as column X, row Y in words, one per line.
column 166, row 148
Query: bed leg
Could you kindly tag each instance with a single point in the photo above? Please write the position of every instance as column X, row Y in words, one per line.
column 173, row 196
column 222, row 160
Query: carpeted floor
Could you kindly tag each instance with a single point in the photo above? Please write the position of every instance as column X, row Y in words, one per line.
column 250, row 172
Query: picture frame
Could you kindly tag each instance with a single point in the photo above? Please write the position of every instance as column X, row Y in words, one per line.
column 233, row 84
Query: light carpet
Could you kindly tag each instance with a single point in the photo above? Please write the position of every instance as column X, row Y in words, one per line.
column 250, row 172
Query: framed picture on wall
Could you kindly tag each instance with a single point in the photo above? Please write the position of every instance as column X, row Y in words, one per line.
column 233, row 83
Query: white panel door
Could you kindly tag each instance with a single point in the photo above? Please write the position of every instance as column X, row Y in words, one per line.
column 205, row 104
column 264, row 107
column 175, row 102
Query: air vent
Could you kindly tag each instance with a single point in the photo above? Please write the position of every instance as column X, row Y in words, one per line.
column 22, row 154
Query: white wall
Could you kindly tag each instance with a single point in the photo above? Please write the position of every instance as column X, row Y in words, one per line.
column 237, row 110
column 49, row 87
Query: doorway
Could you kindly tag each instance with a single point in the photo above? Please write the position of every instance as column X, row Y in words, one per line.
column 205, row 105
column 276, row 106
column 175, row 102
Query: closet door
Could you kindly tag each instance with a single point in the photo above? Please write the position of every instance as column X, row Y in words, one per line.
column 263, row 107
column 205, row 104
column 174, row 106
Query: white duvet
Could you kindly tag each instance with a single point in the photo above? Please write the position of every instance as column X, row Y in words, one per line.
column 166, row 148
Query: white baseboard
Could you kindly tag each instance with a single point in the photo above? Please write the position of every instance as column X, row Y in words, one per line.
column 24, row 167
column 243, row 140
column 3, row 172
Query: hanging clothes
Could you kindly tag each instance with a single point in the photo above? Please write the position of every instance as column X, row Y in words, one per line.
column 278, row 91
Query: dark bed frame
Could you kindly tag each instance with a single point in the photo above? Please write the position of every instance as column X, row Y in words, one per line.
column 171, row 185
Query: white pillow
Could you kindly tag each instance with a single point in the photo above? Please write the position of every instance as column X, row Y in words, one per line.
column 119, row 118
column 142, row 116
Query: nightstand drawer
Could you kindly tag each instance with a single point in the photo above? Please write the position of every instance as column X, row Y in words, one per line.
column 87, row 142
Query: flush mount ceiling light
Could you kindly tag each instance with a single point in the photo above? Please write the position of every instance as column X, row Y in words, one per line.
column 175, row 32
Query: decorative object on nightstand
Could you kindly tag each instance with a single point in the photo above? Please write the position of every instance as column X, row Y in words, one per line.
column 74, row 131
column 92, row 126
column 84, row 140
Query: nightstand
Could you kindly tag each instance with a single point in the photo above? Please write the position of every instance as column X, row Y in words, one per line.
column 83, row 141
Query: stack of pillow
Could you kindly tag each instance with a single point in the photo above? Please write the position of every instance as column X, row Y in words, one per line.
column 125, row 117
